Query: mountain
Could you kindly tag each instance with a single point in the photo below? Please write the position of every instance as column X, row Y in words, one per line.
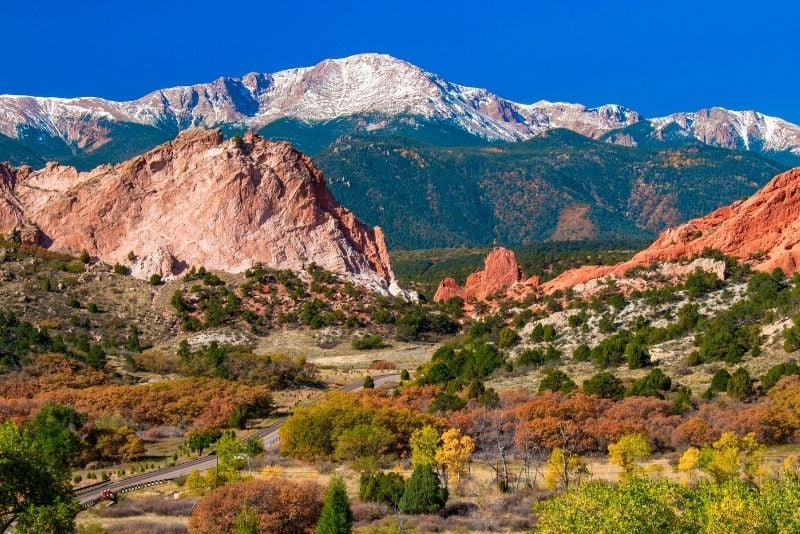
column 737, row 130
column 436, row 163
column 365, row 92
column 198, row 200
column 371, row 85
column 556, row 186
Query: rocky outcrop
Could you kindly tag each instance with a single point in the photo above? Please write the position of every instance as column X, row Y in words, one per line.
column 198, row 200
column 500, row 272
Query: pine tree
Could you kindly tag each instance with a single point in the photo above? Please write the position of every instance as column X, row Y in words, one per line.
column 424, row 493
column 336, row 517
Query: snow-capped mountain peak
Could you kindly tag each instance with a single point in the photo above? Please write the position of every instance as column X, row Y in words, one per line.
column 367, row 84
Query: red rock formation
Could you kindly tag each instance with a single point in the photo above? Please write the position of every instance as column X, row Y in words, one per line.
column 198, row 200
column 501, row 271
column 764, row 230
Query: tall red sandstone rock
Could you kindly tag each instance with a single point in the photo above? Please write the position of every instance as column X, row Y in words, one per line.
column 500, row 272
column 198, row 200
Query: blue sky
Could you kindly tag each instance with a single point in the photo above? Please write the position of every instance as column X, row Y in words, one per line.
column 656, row 57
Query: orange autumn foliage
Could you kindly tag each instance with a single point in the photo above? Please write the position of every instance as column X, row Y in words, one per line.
column 279, row 506
column 185, row 402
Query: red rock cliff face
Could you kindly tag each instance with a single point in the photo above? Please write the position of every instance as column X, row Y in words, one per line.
column 501, row 272
column 198, row 200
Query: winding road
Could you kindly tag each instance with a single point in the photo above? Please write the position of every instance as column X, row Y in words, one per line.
column 268, row 435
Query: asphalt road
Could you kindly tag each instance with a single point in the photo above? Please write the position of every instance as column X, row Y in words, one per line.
column 269, row 436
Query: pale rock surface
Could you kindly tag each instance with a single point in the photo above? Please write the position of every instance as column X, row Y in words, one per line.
column 198, row 200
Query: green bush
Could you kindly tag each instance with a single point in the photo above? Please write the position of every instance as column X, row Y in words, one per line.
column 556, row 380
column 542, row 332
column 507, row 338
column 637, row 355
column 777, row 372
column 155, row 279
column 610, row 352
column 701, row 282
column 423, row 492
column 740, row 385
column 368, row 342
column 654, row 384
column 336, row 517
column 369, row 383
column 384, row 488
column 605, row 385
column 582, row 353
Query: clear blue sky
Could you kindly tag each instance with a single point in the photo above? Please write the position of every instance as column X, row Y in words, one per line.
column 654, row 56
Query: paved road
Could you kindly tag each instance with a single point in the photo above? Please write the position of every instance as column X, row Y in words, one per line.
column 269, row 436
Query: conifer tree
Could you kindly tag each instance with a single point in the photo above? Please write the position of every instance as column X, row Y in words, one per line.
column 336, row 517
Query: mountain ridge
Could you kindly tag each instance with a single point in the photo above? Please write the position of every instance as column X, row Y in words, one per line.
column 362, row 85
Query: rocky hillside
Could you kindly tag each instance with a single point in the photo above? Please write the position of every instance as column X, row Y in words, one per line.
column 197, row 201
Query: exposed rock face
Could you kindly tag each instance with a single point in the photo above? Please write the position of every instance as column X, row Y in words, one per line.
column 764, row 229
column 501, row 272
column 198, row 200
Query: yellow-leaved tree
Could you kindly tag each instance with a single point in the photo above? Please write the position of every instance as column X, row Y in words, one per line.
column 732, row 455
column 424, row 442
column 688, row 463
column 627, row 452
column 454, row 454
column 562, row 468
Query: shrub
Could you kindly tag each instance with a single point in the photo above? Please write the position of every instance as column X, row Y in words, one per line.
column 423, row 492
column 279, row 505
column 637, row 355
column 582, row 353
column 369, row 383
column 155, row 279
column 404, row 375
column 651, row 385
column 84, row 257
column 611, row 351
column 605, row 385
column 542, row 332
column 556, row 380
column 507, row 338
column 385, row 488
column 740, row 385
column 701, row 282
column 446, row 402
column 777, row 372
column 719, row 382
column 368, row 342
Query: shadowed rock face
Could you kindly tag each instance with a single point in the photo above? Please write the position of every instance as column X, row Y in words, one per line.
column 763, row 229
column 198, row 200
